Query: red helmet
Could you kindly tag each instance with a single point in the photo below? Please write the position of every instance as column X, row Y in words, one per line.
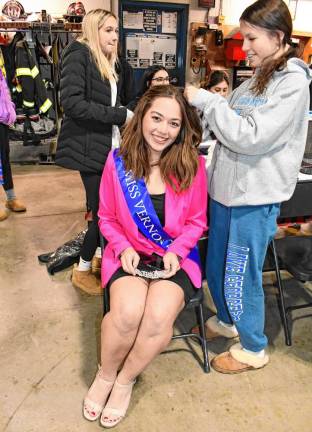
column 71, row 9
column 79, row 9
column 14, row 10
column 76, row 9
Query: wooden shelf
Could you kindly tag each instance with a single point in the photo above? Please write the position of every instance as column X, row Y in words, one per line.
column 231, row 29
column 21, row 25
column 40, row 26
column 301, row 33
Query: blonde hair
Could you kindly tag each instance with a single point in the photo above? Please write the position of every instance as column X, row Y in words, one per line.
column 91, row 24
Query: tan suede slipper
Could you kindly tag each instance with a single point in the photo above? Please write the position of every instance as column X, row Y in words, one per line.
column 237, row 360
column 226, row 364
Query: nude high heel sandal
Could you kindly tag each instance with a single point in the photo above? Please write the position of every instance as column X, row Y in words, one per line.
column 112, row 415
column 92, row 410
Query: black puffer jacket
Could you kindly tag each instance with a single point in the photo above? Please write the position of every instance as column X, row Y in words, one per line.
column 86, row 133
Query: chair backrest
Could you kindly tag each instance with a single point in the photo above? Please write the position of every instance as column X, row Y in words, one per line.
column 202, row 248
column 300, row 204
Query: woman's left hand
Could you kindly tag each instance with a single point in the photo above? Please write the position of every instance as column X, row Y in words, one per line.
column 171, row 264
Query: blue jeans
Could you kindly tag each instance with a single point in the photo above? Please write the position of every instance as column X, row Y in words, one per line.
column 238, row 241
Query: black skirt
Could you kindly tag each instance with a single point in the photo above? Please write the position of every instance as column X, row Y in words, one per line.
column 180, row 278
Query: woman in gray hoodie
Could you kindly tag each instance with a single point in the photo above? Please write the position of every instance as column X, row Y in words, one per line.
column 261, row 131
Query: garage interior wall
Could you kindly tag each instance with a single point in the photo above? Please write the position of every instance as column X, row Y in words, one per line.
column 231, row 9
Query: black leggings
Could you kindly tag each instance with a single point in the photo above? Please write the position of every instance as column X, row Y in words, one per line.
column 91, row 241
column 5, row 157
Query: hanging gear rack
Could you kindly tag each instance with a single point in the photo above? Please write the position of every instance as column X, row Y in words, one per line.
column 38, row 35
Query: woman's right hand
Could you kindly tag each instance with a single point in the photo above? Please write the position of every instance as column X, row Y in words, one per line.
column 190, row 92
column 129, row 260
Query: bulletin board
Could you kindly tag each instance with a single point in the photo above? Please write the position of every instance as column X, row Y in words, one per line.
column 150, row 49
column 154, row 34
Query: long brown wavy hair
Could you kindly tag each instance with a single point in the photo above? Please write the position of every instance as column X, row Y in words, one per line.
column 178, row 162
column 273, row 16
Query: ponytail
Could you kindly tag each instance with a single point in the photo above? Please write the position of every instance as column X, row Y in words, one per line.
column 267, row 70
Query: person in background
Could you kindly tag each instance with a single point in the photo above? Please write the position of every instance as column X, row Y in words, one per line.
column 12, row 203
column 218, row 83
column 90, row 126
column 153, row 198
column 261, row 141
column 154, row 75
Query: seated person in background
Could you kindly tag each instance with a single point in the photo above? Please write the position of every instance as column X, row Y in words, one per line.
column 218, row 83
column 154, row 75
column 153, row 199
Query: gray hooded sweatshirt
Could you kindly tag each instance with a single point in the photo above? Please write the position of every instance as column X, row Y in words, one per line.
column 261, row 139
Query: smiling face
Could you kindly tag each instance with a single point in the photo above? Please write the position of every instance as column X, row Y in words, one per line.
column 161, row 125
column 259, row 44
column 108, row 36
column 161, row 77
column 221, row 88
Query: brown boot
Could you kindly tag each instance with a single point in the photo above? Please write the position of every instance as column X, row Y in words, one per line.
column 86, row 281
column 96, row 266
column 3, row 215
column 15, row 205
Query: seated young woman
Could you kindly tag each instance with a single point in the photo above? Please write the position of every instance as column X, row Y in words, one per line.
column 153, row 199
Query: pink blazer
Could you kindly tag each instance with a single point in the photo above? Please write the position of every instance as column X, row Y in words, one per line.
column 185, row 221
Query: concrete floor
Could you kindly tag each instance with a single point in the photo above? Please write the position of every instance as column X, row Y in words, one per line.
column 49, row 342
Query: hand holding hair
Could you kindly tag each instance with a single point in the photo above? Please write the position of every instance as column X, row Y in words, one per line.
column 190, row 92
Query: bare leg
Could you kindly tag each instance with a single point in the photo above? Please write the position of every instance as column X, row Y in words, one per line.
column 164, row 301
column 119, row 329
column 120, row 325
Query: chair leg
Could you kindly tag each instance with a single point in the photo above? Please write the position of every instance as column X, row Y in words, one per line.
column 201, row 322
column 283, row 312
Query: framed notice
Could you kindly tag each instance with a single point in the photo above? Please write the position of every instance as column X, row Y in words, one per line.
column 169, row 22
column 150, row 20
column 133, row 20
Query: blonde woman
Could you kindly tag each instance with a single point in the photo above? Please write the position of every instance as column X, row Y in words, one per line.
column 92, row 114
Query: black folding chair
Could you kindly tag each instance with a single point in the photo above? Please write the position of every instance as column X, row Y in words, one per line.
column 196, row 302
column 293, row 253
